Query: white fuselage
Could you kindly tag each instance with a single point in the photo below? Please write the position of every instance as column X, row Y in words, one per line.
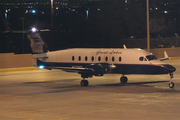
column 126, row 61
column 111, row 56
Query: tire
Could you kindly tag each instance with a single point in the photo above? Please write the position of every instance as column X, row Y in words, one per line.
column 171, row 85
column 123, row 79
column 84, row 83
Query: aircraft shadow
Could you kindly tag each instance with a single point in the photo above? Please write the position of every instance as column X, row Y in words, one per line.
column 133, row 83
column 132, row 87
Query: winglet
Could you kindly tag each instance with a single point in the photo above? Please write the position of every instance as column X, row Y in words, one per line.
column 165, row 56
column 124, row 46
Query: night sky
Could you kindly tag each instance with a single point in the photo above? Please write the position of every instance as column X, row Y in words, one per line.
column 80, row 23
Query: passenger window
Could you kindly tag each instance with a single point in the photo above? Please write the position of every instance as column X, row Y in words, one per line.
column 99, row 58
column 73, row 58
column 86, row 58
column 119, row 59
column 141, row 58
column 106, row 58
column 113, row 59
column 79, row 58
column 92, row 58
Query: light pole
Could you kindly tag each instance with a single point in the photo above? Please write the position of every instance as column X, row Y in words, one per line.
column 1, row 25
column 1, row 16
column 148, row 31
column 175, row 25
column 22, row 18
column 52, row 14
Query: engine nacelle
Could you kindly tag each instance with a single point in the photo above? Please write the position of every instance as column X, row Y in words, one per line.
column 100, row 74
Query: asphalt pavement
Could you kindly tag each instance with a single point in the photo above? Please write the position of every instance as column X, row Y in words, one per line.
column 35, row 94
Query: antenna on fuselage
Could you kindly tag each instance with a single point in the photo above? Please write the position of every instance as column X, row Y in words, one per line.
column 124, row 46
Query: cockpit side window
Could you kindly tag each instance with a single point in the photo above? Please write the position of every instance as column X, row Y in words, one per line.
column 151, row 57
column 141, row 58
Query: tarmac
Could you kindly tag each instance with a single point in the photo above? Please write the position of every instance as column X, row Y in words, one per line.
column 38, row 94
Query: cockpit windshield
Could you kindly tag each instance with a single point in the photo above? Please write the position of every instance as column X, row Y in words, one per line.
column 151, row 57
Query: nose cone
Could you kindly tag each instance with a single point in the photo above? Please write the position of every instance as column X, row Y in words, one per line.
column 169, row 68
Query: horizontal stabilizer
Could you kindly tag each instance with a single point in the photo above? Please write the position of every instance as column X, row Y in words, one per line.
column 43, row 55
column 34, row 64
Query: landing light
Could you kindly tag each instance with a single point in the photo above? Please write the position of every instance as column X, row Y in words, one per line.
column 41, row 67
column 33, row 29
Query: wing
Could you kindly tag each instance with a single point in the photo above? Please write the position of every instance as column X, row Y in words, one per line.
column 91, row 69
column 71, row 69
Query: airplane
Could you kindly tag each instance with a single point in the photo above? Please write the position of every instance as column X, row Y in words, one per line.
column 89, row 62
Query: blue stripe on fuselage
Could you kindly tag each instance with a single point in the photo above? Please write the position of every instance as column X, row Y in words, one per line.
column 122, row 68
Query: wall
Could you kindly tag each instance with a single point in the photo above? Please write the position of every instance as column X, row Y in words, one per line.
column 11, row 60
column 172, row 52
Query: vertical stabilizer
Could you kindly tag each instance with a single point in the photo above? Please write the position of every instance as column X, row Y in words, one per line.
column 37, row 44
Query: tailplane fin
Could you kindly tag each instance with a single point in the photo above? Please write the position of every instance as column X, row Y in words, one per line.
column 37, row 44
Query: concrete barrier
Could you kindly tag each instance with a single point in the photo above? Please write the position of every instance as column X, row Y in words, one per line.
column 172, row 52
column 11, row 60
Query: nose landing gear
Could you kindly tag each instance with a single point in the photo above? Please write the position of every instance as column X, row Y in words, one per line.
column 171, row 84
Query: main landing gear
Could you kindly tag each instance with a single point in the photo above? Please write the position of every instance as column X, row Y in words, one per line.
column 123, row 79
column 84, row 83
column 171, row 84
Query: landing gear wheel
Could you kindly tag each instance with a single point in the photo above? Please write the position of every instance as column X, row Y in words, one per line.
column 171, row 84
column 84, row 83
column 123, row 80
